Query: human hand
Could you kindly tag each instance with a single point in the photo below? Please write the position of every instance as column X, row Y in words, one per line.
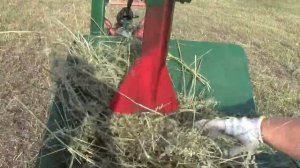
column 246, row 130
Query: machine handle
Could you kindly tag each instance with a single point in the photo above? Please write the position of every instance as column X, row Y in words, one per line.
column 129, row 4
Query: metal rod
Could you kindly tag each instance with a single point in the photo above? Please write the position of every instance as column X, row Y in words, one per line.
column 137, row 4
column 97, row 17
column 129, row 4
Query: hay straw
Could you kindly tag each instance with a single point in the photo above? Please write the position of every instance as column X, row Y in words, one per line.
column 99, row 138
column 17, row 32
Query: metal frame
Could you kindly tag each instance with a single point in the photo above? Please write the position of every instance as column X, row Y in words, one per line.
column 97, row 17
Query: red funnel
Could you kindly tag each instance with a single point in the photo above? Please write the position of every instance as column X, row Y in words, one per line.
column 148, row 84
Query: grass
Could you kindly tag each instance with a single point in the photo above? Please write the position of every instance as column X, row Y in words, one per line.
column 268, row 31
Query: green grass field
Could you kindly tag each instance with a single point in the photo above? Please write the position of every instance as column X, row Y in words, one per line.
column 30, row 33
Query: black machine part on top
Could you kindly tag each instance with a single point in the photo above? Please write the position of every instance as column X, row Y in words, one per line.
column 125, row 14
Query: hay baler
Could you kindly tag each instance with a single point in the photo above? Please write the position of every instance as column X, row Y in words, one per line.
column 225, row 66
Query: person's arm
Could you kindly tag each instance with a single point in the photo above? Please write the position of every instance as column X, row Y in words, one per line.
column 283, row 135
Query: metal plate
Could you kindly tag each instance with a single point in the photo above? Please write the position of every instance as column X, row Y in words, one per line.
column 226, row 68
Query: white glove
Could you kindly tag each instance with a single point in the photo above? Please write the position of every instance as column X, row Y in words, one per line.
column 247, row 131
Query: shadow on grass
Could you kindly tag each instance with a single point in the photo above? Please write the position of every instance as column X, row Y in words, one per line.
column 77, row 133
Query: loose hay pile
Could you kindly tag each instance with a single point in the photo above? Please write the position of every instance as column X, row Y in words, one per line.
column 95, row 137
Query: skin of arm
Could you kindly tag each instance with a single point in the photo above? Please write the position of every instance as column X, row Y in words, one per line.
column 283, row 135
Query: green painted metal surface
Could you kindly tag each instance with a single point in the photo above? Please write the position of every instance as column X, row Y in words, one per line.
column 226, row 68
column 152, row 3
column 54, row 154
column 108, row 40
column 97, row 17
column 276, row 160
column 298, row 163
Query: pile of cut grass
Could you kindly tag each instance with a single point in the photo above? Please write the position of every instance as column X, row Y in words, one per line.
column 96, row 137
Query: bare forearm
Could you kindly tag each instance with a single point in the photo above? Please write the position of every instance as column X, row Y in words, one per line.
column 283, row 135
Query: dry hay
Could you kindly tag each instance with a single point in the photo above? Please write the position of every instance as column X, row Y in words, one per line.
column 95, row 137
